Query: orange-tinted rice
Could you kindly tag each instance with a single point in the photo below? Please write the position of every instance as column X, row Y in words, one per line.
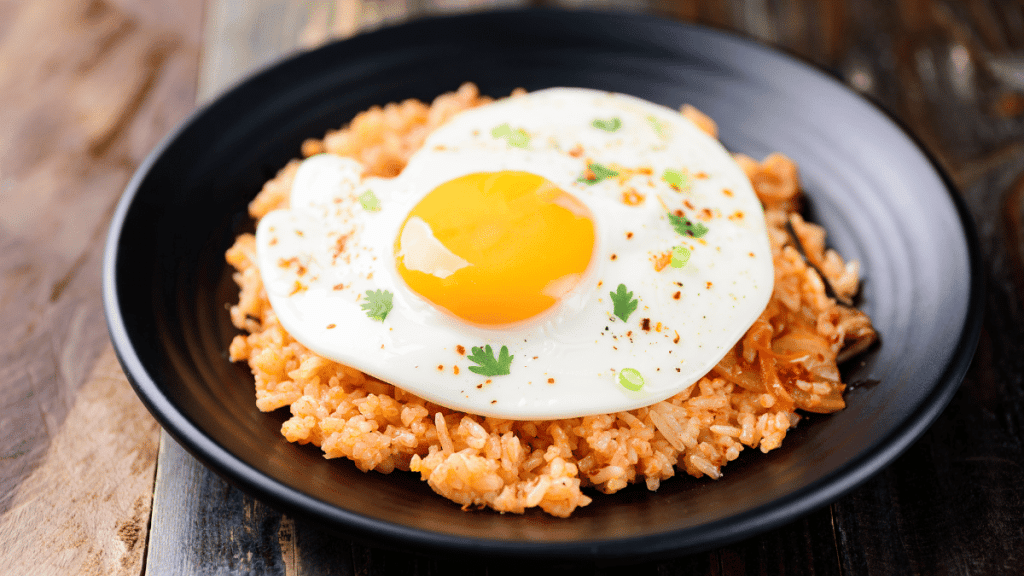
column 786, row 361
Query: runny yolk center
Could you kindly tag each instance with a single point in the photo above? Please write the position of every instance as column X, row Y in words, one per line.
column 495, row 248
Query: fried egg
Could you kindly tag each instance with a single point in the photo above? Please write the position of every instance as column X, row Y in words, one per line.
column 564, row 253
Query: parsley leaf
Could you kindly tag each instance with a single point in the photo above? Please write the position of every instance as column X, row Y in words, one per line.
column 517, row 138
column 595, row 173
column 631, row 379
column 680, row 256
column 610, row 125
column 687, row 227
column 488, row 364
column 378, row 304
column 369, row 201
column 676, row 179
column 623, row 303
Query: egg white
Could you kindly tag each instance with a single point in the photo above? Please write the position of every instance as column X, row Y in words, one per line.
column 566, row 362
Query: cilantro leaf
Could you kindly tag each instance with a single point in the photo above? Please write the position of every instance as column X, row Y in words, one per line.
column 623, row 303
column 488, row 364
column 631, row 379
column 680, row 256
column 517, row 138
column 687, row 227
column 595, row 173
column 676, row 179
column 378, row 304
column 369, row 201
column 610, row 125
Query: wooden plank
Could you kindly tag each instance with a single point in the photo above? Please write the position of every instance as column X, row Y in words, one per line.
column 85, row 508
column 201, row 525
column 88, row 87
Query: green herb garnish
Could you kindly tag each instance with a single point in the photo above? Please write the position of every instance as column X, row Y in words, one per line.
column 378, row 304
column 610, row 125
column 595, row 173
column 488, row 364
column 368, row 200
column 687, row 227
column 631, row 379
column 676, row 179
column 517, row 138
column 658, row 126
column 680, row 256
column 623, row 303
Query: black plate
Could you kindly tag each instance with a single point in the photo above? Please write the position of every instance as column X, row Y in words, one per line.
column 881, row 198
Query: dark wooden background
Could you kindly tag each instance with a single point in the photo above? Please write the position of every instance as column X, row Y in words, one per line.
column 88, row 483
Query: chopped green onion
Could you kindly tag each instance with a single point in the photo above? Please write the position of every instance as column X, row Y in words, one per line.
column 631, row 379
column 680, row 256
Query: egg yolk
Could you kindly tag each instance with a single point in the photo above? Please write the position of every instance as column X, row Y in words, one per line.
column 495, row 248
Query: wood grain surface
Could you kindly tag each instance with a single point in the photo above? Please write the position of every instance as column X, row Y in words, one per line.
column 88, row 87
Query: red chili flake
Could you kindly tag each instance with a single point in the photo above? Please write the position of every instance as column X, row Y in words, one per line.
column 339, row 286
column 576, row 151
column 494, row 401
column 339, row 245
column 551, row 380
column 676, row 341
column 689, row 205
column 727, row 192
column 751, row 254
column 645, row 324
column 661, row 260
column 329, row 326
column 709, row 285
column 460, row 349
column 629, row 235
column 706, row 214
column 479, row 385
column 440, row 366
column 614, row 256
column 456, row 370
column 701, row 175
column 677, row 295
column 631, row 197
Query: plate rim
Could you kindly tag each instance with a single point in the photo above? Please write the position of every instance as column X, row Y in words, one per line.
column 721, row 532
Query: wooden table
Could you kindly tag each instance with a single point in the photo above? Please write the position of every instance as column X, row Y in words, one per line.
column 90, row 485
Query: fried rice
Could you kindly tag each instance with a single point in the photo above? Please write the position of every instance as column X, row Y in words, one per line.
column 787, row 361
